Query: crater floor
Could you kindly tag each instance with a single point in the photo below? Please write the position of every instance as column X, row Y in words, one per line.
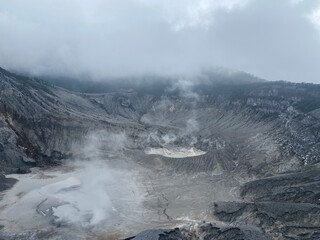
column 101, row 198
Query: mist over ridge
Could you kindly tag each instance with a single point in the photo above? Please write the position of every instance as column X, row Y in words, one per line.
column 116, row 39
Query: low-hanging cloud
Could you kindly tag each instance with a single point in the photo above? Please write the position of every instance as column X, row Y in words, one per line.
column 101, row 39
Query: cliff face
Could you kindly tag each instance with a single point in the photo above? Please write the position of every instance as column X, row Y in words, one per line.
column 40, row 122
column 265, row 133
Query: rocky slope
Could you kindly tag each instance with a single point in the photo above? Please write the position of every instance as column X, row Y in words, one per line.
column 264, row 135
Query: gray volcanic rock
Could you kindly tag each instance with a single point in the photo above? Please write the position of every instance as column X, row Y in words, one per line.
column 286, row 206
column 265, row 135
column 301, row 186
column 280, row 220
column 159, row 234
column 6, row 183
column 262, row 128
column 205, row 232
column 42, row 122
column 209, row 231
column 267, row 213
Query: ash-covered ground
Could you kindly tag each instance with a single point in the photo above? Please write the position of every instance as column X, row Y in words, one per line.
column 240, row 154
column 105, row 193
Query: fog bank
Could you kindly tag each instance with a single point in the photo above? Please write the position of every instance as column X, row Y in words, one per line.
column 119, row 38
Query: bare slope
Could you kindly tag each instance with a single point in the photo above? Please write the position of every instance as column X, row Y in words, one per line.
column 259, row 140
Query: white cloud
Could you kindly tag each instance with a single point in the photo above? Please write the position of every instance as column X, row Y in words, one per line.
column 181, row 14
column 295, row 2
column 105, row 38
column 315, row 17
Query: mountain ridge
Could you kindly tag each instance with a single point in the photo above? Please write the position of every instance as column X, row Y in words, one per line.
column 264, row 133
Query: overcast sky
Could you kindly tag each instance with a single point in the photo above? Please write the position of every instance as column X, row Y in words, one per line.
column 273, row 39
